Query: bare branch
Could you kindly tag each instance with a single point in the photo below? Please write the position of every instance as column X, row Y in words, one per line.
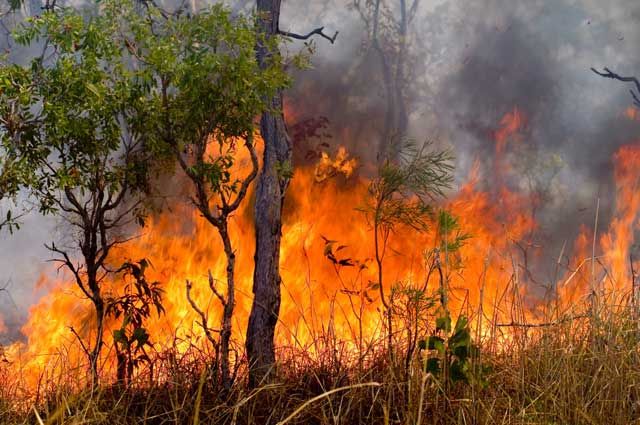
column 203, row 316
column 413, row 9
column 66, row 261
column 610, row 74
column 247, row 181
column 318, row 31
column 212, row 285
column 542, row 325
column 84, row 347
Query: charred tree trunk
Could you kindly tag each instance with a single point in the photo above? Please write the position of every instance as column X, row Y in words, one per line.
column 272, row 184
column 94, row 358
column 227, row 314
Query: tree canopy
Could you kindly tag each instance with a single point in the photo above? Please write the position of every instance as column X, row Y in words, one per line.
column 111, row 94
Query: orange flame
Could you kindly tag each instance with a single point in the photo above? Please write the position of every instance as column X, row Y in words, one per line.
column 319, row 296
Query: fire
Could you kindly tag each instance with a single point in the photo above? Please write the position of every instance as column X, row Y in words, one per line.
column 319, row 296
column 631, row 113
column 510, row 124
column 341, row 164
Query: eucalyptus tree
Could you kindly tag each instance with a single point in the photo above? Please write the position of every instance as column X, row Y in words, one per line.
column 72, row 131
column 274, row 178
column 119, row 89
column 209, row 89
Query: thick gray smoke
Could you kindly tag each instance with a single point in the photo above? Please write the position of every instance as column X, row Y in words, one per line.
column 477, row 61
column 471, row 63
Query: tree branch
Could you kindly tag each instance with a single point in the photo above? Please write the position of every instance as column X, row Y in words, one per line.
column 66, row 261
column 249, row 179
column 318, row 31
column 610, row 74
column 203, row 317
column 542, row 325
column 212, row 285
column 82, row 344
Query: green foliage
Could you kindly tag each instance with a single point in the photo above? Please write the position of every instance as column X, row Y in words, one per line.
column 205, row 87
column 166, row 84
column 404, row 188
column 70, row 119
column 10, row 222
column 450, row 236
column 133, row 307
column 452, row 352
column 285, row 169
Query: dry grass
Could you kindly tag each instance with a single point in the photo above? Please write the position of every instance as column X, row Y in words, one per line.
column 567, row 373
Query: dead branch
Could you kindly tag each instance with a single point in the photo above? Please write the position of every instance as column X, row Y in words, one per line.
column 203, row 317
column 318, row 31
column 212, row 286
column 610, row 74
column 82, row 345
column 542, row 325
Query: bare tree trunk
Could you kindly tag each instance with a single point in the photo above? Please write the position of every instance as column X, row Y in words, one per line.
column 227, row 314
column 272, row 184
column 388, row 86
column 94, row 357
column 393, row 67
column 402, row 120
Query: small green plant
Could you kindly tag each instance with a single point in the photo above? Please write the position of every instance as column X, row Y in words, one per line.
column 401, row 195
column 452, row 352
column 133, row 307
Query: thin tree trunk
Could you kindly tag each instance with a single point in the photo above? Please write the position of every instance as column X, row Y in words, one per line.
column 94, row 357
column 272, row 184
column 227, row 314
column 402, row 121
column 383, row 149
column 396, row 122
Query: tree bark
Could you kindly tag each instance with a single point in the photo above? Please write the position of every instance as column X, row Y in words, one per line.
column 228, row 305
column 272, row 184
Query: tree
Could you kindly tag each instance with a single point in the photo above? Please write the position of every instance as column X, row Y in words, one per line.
column 277, row 170
column 401, row 195
column 133, row 307
column 209, row 88
column 73, row 124
column 388, row 36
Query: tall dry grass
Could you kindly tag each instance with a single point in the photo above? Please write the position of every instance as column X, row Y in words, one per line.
column 573, row 371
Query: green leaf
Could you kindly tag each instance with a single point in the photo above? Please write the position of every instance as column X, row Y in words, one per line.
column 462, row 338
column 443, row 323
column 436, row 343
column 459, row 371
column 432, row 366
column 461, row 323
column 93, row 89
column 119, row 336
column 141, row 336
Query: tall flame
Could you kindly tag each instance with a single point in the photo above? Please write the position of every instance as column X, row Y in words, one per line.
column 321, row 296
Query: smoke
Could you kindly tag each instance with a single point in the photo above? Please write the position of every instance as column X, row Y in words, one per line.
column 471, row 63
column 538, row 58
